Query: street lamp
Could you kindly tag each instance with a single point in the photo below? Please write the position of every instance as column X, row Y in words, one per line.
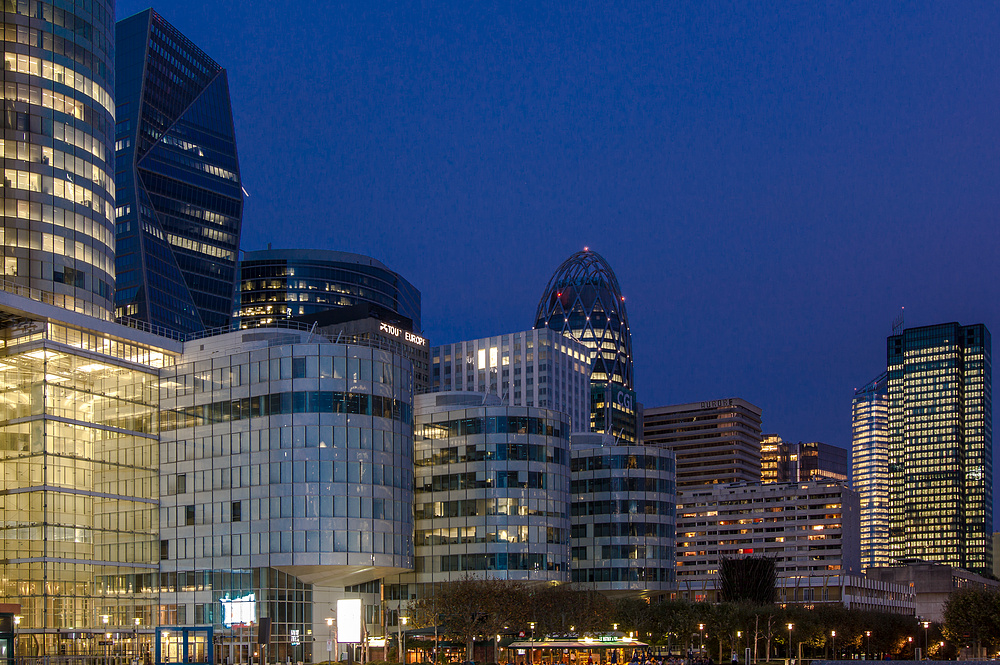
column 402, row 653
column 833, row 634
column 329, row 641
column 701, row 637
column 531, row 651
column 107, row 635
column 926, row 624
column 868, row 643
column 790, row 626
column 135, row 633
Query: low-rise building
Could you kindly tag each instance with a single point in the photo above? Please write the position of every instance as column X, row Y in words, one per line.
column 932, row 584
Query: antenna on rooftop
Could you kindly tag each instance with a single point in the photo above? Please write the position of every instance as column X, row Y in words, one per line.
column 897, row 323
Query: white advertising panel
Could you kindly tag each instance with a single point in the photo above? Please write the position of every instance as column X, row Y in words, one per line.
column 349, row 620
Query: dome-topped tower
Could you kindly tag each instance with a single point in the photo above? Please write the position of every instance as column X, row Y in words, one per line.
column 583, row 300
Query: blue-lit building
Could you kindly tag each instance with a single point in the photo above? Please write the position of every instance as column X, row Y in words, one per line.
column 179, row 197
column 279, row 284
column 583, row 300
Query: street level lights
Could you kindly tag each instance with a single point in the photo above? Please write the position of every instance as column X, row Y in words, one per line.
column 790, row 626
column 833, row 634
column 531, row 651
column 135, row 633
column 402, row 657
column 868, row 643
column 926, row 624
column 701, row 637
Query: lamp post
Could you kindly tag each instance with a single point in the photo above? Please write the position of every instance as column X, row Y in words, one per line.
column 833, row 634
column 402, row 653
column 135, row 634
column 17, row 622
column 107, row 635
column 909, row 640
column 329, row 641
column 531, row 651
column 868, row 643
column 790, row 626
column 701, row 637
column 926, row 625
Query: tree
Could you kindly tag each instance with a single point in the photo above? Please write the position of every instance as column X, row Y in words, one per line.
column 972, row 617
column 473, row 606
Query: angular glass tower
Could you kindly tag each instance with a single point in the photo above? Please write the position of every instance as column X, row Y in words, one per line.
column 180, row 202
column 583, row 300
column 940, row 464
column 869, row 468
column 57, row 150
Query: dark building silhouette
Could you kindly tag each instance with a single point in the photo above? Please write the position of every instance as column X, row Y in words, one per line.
column 180, row 201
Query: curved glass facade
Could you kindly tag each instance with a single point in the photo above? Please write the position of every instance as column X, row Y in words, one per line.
column 583, row 300
column 282, row 283
column 491, row 490
column 58, row 154
column 293, row 499
column 624, row 513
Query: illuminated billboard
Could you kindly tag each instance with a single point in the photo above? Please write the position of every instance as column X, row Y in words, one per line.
column 349, row 620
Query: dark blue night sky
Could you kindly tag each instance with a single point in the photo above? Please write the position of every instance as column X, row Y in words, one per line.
column 771, row 182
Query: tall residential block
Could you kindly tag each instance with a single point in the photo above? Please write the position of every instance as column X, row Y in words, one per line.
column 180, row 201
column 538, row 368
column 809, row 529
column 940, row 463
column 58, row 154
column 717, row 441
column 583, row 300
column 870, row 468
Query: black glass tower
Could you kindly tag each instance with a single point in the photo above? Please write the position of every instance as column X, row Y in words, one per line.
column 583, row 300
column 941, row 446
column 180, row 201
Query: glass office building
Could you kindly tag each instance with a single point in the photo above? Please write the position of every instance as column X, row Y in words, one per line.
column 286, row 470
column 277, row 284
column 57, row 150
column 583, row 300
column 869, row 468
column 79, row 527
column 491, row 490
column 940, row 462
column 538, row 367
column 623, row 513
column 180, row 201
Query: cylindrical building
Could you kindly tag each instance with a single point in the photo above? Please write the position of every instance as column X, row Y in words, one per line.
column 58, row 154
column 286, row 470
column 277, row 284
column 624, row 508
column 491, row 490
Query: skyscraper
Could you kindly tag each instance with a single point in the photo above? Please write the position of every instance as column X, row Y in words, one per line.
column 787, row 462
column 583, row 300
column 180, row 201
column 717, row 441
column 869, row 468
column 57, row 150
column 940, row 463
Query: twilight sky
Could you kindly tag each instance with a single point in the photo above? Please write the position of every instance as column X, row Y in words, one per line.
column 771, row 182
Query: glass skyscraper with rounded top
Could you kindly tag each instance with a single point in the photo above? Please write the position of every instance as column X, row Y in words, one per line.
column 58, row 154
column 584, row 301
